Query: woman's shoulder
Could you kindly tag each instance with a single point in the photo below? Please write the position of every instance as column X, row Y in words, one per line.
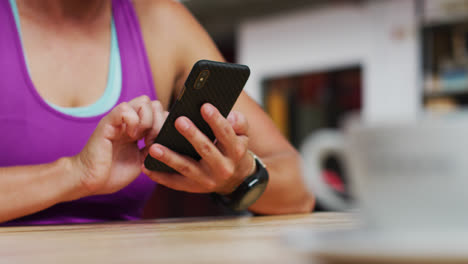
column 173, row 37
column 164, row 17
column 169, row 20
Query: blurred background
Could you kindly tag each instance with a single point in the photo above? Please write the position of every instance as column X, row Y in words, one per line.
column 315, row 62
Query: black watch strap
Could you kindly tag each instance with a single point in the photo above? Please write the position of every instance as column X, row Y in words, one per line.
column 248, row 191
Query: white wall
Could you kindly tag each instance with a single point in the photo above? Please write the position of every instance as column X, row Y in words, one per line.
column 381, row 36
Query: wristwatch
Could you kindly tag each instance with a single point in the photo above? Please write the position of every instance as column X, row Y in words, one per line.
column 248, row 191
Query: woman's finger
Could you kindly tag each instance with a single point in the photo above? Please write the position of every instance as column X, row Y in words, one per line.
column 124, row 119
column 142, row 106
column 200, row 142
column 223, row 130
column 182, row 164
column 174, row 181
column 239, row 123
column 158, row 120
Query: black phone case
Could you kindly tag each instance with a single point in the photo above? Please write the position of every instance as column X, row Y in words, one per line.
column 221, row 89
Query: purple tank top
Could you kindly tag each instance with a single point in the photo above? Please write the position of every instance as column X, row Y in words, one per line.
column 33, row 133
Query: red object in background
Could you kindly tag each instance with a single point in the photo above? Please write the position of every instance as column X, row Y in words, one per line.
column 333, row 179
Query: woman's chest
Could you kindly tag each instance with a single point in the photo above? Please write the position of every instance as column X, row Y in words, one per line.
column 64, row 71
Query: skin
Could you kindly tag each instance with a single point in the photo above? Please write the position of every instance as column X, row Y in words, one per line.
column 76, row 33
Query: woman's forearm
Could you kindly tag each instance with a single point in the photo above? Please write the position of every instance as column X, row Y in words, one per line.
column 28, row 189
column 286, row 192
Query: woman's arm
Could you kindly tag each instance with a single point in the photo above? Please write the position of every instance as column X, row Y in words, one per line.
column 286, row 192
column 28, row 189
column 110, row 161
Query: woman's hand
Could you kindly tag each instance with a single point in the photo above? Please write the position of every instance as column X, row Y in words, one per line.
column 223, row 165
column 111, row 158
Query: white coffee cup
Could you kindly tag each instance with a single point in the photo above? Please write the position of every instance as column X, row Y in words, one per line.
column 410, row 176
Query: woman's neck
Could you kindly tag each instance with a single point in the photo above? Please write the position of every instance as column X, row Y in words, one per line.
column 65, row 11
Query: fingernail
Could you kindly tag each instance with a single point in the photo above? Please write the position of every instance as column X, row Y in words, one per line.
column 209, row 110
column 157, row 152
column 184, row 124
column 232, row 118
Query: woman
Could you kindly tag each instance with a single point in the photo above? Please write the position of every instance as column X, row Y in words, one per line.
column 72, row 112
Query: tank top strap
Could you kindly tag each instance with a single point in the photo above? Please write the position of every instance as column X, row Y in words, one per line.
column 10, row 49
column 135, row 63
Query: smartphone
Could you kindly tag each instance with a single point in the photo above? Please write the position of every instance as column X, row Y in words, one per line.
column 217, row 83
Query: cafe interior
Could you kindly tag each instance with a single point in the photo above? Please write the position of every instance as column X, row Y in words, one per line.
column 371, row 93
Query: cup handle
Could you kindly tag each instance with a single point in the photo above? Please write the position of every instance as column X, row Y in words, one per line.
column 315, row 149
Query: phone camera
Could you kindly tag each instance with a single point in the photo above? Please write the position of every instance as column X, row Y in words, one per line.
column 202, row 79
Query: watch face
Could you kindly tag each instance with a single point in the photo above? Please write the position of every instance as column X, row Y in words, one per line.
column 252, row 195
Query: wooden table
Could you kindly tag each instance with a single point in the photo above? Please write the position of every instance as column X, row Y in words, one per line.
column 196, row 240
